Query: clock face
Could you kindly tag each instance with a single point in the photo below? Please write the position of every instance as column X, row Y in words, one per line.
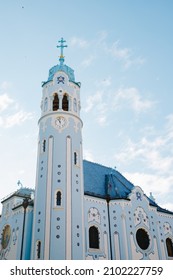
column 60, row 122
column 6, row 236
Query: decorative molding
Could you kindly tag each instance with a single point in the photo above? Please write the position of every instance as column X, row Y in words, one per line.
column 94, row 215
column 140, row 217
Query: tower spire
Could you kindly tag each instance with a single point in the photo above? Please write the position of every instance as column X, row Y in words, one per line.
column 61, row 46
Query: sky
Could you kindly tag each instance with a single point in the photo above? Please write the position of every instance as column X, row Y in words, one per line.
column 121, row 52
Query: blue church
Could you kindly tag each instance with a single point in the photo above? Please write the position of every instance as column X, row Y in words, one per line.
column 79, row 210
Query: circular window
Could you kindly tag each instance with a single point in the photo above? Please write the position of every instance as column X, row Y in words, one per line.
column 142, row 238
column 6, row 236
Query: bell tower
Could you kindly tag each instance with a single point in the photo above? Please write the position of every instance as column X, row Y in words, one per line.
column 58, row 210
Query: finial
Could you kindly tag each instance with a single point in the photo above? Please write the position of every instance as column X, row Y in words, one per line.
column 19, row 184
column 62, row 41
column 152, row 197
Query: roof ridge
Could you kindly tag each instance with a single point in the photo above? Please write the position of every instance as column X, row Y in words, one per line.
column 96, row 163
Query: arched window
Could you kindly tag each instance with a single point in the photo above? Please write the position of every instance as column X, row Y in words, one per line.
column 44, row 145
column 45, row 104
column 38, row 249
column 65, row 105
column 93, row 237
column 169, row 247
column 58, row 198
column 75, row 105
column 55, row 102
column 142, row 238
column 75, row 158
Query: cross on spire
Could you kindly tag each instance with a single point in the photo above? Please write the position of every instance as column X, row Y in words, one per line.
column 61, row 46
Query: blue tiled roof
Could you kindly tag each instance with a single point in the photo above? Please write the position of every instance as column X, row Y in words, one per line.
column 68, row 70
column 105, row 182
column 22, row 192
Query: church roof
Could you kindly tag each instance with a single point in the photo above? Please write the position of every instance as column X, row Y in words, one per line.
column 22, row 192
column 69, row 71
column 64, row 68
column 61, row 67
column 106, row 182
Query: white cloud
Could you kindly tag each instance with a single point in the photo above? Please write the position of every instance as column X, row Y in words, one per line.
column 11, row 112
column 159, row 186
column 5, row 85
column 17, row 119
column 102, row 35
column 5, row 101
column 102, row 120
column 103, row 102
column 134, row 61
column 158, row 162
column 150, row 182
column 1, row 121
column 169, row 126
column 88, row 61
column 118, row 52
column 132, row 97
column 21, row 172
column 151, row 153
column 93, row 101
column 79, row 42
column 152, row 156
column 98, row 106
column 88, row 155
column 168, row 206
column 170, row 121
column 123, row 54
column 100, row 47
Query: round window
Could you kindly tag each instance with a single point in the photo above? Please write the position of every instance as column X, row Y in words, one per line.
column 142, row 238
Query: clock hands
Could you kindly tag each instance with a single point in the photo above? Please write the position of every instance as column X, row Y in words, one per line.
column 60, row 122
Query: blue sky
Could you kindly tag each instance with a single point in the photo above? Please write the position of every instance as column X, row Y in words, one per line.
column 121, row 51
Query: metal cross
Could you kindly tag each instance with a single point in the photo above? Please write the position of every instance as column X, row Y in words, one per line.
column 62, row 46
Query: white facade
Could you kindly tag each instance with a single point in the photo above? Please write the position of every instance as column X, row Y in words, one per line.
column 118, row 228
column 59, row 184
column 81, row 210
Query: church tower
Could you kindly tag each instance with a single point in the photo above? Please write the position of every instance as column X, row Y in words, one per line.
column 58, row 231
